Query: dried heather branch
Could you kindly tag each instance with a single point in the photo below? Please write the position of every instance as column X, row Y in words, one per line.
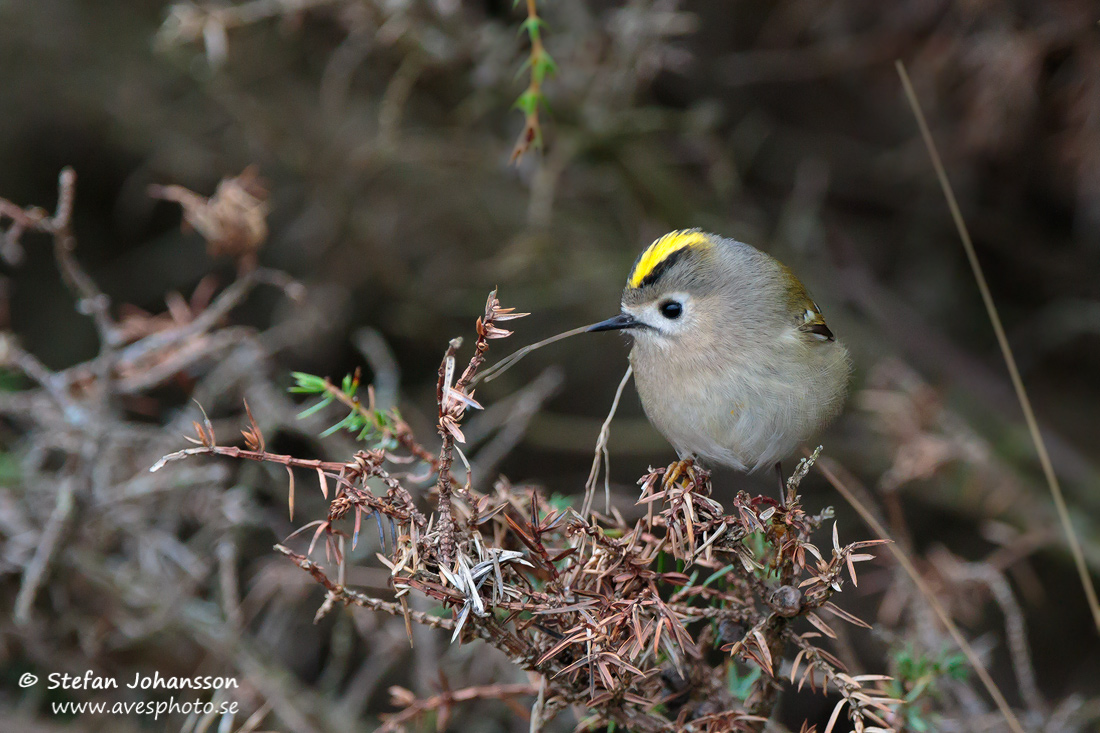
column 351, row 597
column 586, row 601
column 870, row 709
column 452, row 399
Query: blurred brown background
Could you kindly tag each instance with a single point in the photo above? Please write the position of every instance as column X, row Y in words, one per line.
column 384, row 131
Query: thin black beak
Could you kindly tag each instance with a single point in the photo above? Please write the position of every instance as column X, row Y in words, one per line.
column 618, row 323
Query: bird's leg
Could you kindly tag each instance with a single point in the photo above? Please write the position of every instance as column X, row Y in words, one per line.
column 782, row 483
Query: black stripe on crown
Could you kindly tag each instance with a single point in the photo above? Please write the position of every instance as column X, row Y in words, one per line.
column 661, row 268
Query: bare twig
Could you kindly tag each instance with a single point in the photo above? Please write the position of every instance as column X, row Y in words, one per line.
column 1015, row 628
column 44, row 552
column 12, row 354
column 90, row 299
column 539, row 708
column 348, row 596
column 602, row 455
column 446, row 454
column 1006, row 351
column 442, row 702
column 229, row 299
column 251, row 455
column 941, row 613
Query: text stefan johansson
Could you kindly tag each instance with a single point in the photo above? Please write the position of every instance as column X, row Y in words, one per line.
column 90, row 681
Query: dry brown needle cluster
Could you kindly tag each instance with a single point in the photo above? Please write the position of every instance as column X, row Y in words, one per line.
column 641, row 624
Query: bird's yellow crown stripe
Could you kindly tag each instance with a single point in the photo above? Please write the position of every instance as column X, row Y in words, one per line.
column 660, row 250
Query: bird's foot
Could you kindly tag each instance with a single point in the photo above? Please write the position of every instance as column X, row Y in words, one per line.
column 696, row 475
column 675, row 470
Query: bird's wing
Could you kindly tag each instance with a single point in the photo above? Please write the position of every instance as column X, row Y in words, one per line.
column 813, row 323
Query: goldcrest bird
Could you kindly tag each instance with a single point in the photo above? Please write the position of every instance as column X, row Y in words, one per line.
column 732, row 359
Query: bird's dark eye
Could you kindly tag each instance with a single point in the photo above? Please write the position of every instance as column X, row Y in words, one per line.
column 671, row 309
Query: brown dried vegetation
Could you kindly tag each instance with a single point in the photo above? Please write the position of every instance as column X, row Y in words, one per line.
column 583, row 601
column 680, row 611
column 642, row 623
